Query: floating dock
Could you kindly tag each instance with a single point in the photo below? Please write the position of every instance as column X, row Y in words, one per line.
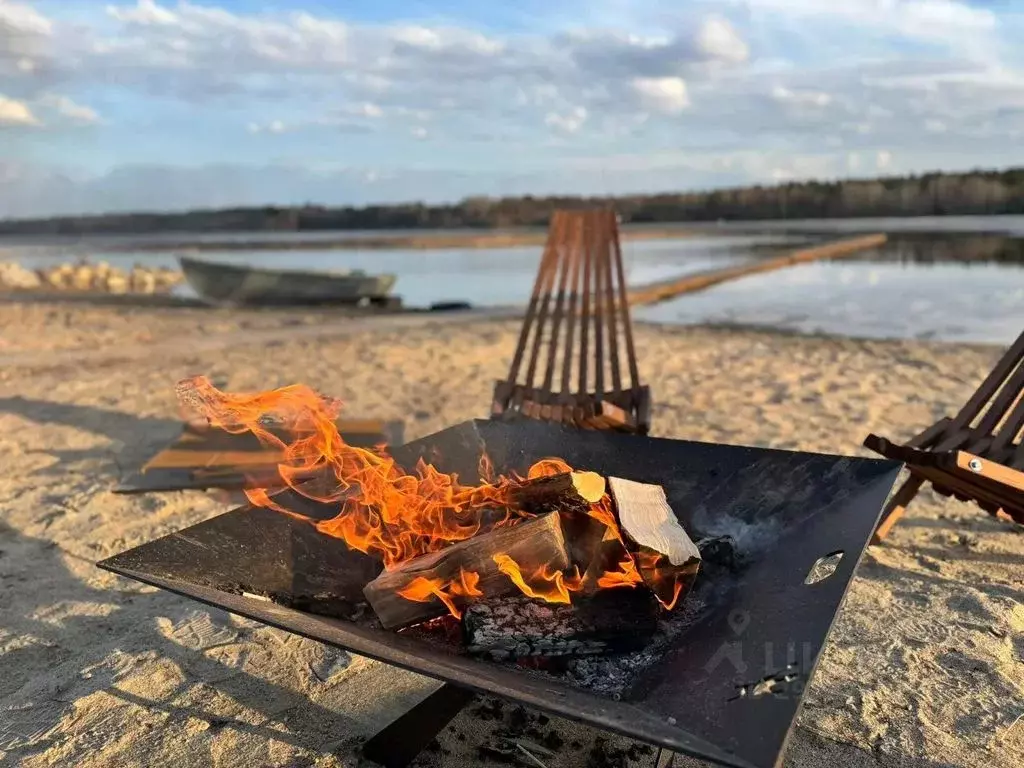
column 669, row 289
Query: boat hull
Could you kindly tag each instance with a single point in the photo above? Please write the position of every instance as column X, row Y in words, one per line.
column 237, row 284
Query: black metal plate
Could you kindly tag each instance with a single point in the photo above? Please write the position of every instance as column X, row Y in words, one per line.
column 160, row 479
column 786, row 509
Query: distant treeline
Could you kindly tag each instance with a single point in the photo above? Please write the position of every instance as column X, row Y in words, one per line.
column 931, row 194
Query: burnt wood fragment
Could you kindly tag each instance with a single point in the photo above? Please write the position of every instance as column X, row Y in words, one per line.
column 564, row 492
column 612, row 621
column 718, row 552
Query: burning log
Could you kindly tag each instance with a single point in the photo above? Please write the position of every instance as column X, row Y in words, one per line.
column 431, row 585
column 565, row 492
column 666, row 557
column 611, row 621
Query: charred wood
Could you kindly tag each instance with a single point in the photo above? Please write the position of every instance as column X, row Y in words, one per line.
column 718, row 553
column 529, row 543
column 565, row 492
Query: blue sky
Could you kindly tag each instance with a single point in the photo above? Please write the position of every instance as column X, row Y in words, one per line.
column 159, row 104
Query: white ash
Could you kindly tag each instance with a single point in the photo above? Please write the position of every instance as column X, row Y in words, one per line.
column 545, row 631
column 612, row 675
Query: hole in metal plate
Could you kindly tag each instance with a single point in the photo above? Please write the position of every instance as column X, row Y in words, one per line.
column 823, row 568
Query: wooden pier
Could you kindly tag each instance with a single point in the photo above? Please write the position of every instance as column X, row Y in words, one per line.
column 669, row 289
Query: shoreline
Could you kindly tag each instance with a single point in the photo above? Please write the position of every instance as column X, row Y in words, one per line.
column 417, row 242
column 181, row 307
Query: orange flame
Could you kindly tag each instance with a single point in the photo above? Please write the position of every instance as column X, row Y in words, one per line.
column 549, row 585
column 383, row 510
column 626, row 576
column 422, row 589
column 665, row 581
column 392, row 514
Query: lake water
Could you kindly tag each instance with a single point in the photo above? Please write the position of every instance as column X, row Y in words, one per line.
column 962, row 282
column 484, row 277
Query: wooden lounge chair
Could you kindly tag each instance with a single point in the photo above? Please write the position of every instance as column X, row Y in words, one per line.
column 579, row 316
column 204, row 457
column 977, row 455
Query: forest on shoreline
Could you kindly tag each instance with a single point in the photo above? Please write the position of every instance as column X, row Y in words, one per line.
column 978, row 192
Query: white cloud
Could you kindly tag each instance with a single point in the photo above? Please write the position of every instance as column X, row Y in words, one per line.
column 19, row 18
column 802, row 98
column 763, row 89
column 16, row 113
column 366, row 109
column 941, row 20
column 67, row 108
column 569, row 122
column 662, row 94
column 146, row 12
column 719, row 40
column 274, row 126
column 25, row 37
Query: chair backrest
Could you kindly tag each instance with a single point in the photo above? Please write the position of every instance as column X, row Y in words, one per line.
column 991, row 420
column 568, row 364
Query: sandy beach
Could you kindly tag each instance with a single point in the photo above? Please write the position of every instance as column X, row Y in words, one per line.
column 925, row 665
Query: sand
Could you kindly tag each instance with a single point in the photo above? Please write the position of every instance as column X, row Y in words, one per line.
column 925, row 666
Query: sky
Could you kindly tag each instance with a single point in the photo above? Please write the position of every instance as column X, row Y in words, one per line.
column 163, row 105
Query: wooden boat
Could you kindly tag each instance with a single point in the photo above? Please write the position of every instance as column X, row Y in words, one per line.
column 223, row 283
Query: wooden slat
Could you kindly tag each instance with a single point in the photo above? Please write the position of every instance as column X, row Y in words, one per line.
column 588, row 269
column 531, row 310
column 176, row 459
column 1008, row 432
column 997, row 409
column 627, row 323
column 575, row 256
column 931, row 435
column 991, row 383
column 990, row 471
column 611, row 307
column 599, row 310
column 995, row 483
column 897, row 506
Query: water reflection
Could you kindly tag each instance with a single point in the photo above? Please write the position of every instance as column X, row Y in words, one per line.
column 951, row 289
column 937, row 249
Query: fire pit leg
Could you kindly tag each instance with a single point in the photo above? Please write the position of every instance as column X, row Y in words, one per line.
column 397, row 744
column 666, row 758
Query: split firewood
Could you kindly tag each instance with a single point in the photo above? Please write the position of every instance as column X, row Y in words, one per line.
column 565, row 492
column 666, row 557
column 611, row 621
column 588, row 549
column 531, row 543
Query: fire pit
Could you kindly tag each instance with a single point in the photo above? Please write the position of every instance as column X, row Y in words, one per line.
column 720, row 676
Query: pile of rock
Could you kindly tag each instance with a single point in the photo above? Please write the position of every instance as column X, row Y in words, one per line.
column 83, row 276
